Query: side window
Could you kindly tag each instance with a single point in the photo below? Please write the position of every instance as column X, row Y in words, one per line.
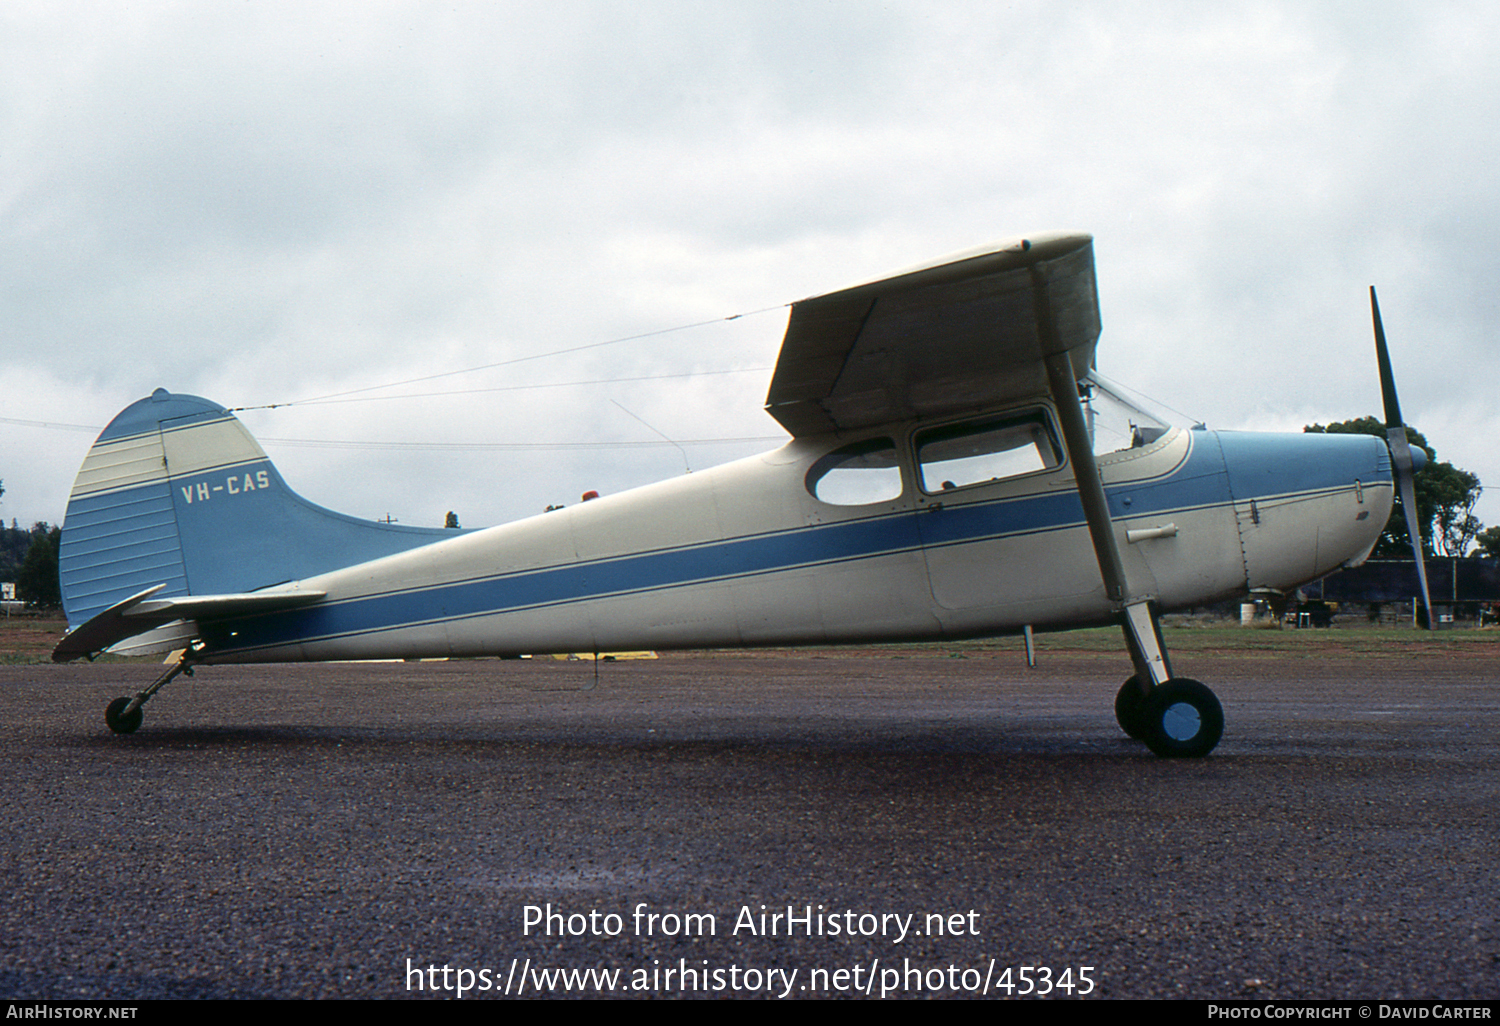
column 857, row 474
column 985, row 450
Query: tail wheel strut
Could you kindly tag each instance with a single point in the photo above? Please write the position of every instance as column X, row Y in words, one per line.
column 124, row 715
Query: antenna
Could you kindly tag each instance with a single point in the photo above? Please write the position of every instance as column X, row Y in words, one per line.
column 679, row 448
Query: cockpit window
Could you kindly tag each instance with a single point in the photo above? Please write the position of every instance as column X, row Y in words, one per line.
column 992, row 449
column 857, row 474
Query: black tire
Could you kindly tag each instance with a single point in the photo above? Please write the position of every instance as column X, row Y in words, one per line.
column 1182, row 720
column 1130, row 706
column 122, row 724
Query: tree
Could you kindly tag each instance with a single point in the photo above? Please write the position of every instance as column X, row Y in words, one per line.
column 36, row 581
column 1456, row 525
column 13, row 545
column 1445, row 499
column 452, row 520
column 1489, row 542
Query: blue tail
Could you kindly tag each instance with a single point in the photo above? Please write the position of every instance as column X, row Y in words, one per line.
column 176, row 492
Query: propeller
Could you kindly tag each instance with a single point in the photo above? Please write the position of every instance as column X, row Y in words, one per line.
column 1403, row 462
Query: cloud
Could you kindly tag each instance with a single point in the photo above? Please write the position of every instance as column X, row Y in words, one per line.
column 270, row 202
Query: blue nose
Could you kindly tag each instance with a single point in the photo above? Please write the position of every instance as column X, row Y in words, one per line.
column 1305, row 504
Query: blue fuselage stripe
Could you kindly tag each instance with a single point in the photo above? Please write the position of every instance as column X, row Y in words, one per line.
column 697, row 564
column 555, row 585
column 1199, row 482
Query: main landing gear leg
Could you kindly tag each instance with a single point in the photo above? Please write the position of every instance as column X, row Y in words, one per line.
column 1175, row 716
column 124, row 715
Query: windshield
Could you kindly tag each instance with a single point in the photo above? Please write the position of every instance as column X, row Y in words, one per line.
column 1114, row 421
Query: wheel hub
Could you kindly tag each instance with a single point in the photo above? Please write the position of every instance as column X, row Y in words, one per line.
column 1181, row 721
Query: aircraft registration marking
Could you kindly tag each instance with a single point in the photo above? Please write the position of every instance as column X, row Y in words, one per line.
column 235, row 484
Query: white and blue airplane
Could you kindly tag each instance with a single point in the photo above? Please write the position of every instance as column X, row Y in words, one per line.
column 957, row 469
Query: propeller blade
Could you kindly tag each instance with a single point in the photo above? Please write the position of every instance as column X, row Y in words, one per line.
column 1414, row 531
column 1401, row 458
column 1383, row 358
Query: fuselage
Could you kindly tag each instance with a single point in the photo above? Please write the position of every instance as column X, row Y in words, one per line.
column 749, row 554
column 958, row 468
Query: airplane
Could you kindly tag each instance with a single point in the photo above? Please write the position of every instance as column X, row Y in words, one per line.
column 957, row 468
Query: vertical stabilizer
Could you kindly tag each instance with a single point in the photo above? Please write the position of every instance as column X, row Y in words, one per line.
column 175, row 491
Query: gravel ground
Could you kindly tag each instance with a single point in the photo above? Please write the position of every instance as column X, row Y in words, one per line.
column 351, row 830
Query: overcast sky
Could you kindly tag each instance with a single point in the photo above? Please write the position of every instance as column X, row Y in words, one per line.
column 274, row 202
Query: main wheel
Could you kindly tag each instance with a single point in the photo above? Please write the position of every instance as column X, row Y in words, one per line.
column 1129, row 705
column 119, row 723
column 1182, row 719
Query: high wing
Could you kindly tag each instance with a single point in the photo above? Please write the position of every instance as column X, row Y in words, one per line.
column 969, row 331
column 141, row 613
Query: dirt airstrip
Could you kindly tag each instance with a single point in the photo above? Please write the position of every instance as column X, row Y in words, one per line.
column 907, row 821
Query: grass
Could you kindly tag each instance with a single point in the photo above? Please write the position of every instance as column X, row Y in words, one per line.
column 29, row 639
column 1230, row 638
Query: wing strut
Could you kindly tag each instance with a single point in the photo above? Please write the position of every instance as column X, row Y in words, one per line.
column 1142, row 634
column 1086, row 478
column 1175, row 717
column 1138, row 618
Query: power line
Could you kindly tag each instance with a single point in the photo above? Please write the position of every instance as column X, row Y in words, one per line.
column 513, row 361
column 316, row 443
column 51, row 425
column 507, row 388
column 96, row 428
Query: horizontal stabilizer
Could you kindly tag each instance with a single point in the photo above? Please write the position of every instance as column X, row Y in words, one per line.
column 141, row 613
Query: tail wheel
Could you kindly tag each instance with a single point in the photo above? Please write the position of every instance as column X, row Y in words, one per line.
column 1130, row 704
column 118, row 721
column 1182, row 719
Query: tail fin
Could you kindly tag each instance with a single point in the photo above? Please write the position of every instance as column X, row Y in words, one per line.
column 176, row 492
